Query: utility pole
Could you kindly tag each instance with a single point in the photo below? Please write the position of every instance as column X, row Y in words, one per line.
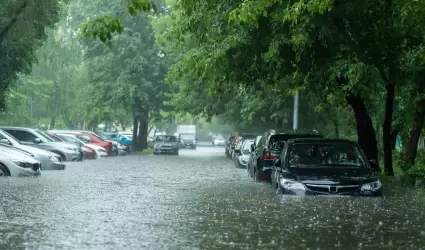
column 295, row 118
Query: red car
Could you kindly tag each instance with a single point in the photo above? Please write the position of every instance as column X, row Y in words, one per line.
column 90, row 138
column 89, row 153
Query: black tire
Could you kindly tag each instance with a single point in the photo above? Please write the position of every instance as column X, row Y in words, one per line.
column 4, row 171
column 176, row 153
column 155, row 153
column 60, row 154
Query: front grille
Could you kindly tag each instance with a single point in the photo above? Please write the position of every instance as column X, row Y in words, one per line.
column 333, row 189
column 36, row 166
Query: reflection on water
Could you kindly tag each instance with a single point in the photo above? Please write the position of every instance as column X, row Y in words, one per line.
column 196, row 200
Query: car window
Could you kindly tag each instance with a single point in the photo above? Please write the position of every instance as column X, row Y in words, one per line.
column 26, row 136
column 84, row 138
column 325, row 154
column 45, row 136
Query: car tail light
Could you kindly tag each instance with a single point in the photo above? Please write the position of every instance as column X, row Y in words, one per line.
column 268, row 156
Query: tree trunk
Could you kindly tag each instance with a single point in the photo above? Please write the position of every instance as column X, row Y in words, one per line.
column 386, row 130
column 142, row 133
column 135, row 144
column 146, row 130
column 365, row 131
column 415, row 133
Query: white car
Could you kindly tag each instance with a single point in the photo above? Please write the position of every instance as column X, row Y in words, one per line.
column 17, row 163
column 219, row 141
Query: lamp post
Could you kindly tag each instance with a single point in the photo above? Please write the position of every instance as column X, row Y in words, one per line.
column 295, row 118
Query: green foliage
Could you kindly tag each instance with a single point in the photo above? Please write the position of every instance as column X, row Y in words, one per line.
column 105, row 26
column 22, row 25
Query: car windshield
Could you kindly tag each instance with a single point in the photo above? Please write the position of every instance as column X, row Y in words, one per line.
column 277, row 142
column 187, row 137
column 166, row 138
column 45, row 135
column 96, row 135
column 10, row 137
column 127, row 135
column 55, row 138
column 71, row 139
column 325, row 154
column 247, row 146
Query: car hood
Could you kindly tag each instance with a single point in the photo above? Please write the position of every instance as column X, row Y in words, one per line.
column 36, row 151
column 333, row 175
column 95, row 147
column 14, row 154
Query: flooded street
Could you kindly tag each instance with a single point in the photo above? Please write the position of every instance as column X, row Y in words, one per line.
column 197, row 200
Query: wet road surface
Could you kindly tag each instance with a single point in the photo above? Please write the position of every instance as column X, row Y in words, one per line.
column 197, row 200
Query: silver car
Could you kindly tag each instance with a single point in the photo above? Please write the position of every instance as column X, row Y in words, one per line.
column 40, row 139
column 166, row 144
column 16, row 163
column 49, row 160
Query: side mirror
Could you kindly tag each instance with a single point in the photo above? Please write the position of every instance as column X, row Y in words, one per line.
column 252, row 147
column 237, row 151
column 37, row 140
column 277, row 162
column 5, row 141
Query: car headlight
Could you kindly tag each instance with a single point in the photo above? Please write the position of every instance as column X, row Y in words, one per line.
column 54, row 158
column 291, row 185
column 157, row 146
column 72, row 149
column 372, row 186
column 22, row 164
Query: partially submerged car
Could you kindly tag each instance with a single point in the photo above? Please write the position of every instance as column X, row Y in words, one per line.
column 243, row 153
column 49, row 160
column 166, row 144
column 17, row 163
column 40, row 139
column 98, row 151
column 324, row 167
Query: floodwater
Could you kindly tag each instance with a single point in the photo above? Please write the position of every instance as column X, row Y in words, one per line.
column 197, row 200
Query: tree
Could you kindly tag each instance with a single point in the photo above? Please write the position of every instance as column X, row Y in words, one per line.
column 22, row 32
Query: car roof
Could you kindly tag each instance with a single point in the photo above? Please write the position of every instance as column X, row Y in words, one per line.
column 319, row 140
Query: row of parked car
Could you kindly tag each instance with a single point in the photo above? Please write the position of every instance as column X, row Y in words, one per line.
column 28, row 151
column 305, row 163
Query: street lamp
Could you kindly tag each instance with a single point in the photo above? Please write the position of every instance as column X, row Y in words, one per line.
column 295, row 118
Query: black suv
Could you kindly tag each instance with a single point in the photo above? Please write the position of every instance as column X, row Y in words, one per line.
column 268, row 149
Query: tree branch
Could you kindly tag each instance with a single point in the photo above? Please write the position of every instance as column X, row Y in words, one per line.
column 12, row 22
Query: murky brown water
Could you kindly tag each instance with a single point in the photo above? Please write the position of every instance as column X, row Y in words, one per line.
column 197, row 200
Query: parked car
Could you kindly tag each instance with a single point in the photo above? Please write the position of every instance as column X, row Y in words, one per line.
column 252, row 153
column 166, row 144
column 49, row 160
column 89, row 137
column 123, row 139
column 228, row 145
column 268, row 149
column 91, row 151
column 241, row 160
column 313, row 166
column 41, row 139
column 16, row 163
column 236, row 140
column 117, row 147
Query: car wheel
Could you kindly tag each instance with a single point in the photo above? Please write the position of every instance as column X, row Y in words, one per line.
column 4, row 171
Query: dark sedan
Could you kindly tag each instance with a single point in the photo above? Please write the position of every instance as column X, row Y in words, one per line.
column 324, row 167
